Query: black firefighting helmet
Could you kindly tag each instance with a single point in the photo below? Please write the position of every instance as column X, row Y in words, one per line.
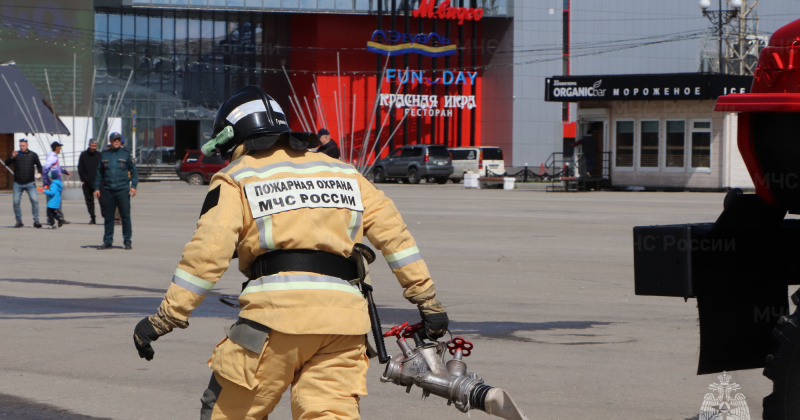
column 252, row 117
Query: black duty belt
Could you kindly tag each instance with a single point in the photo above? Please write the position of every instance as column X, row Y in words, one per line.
column 320, row 262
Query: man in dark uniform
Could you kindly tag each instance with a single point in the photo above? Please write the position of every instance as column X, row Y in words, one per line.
column 329, row 146
column 115, row 183
column 26, row 164
column 87, row 169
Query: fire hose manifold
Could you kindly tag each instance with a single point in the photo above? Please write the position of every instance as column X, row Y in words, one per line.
column 424, row 366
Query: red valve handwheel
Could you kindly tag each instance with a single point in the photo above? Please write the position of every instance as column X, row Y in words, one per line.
column 409, row 332
column 397, row 330
column 459, row 343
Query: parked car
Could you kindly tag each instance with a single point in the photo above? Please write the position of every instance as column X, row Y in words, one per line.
column 481, row 160
column 157, row 155
column 412, row 163
column 197, row 169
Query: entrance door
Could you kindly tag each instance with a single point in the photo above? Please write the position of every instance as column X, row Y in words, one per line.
column 594, row 161
column 6, row 148
column 187, row 136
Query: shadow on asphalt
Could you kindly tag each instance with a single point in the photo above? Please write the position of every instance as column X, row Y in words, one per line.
column 22, row 409
column 13, row 307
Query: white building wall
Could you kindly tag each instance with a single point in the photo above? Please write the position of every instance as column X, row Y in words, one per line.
column 537, row 55
column 81, row 129
column 670, row 178
column 736, row 175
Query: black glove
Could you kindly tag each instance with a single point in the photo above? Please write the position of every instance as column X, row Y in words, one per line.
column 143, row 334
column 434, row 323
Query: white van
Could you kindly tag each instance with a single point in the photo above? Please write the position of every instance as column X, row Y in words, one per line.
column 481, row 160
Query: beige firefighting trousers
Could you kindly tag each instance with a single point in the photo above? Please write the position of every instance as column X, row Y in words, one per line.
column 327, row 373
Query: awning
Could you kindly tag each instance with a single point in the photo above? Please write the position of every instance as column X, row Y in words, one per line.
column 22, row 109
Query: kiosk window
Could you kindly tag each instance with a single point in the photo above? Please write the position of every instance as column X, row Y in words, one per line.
column 624, row 144
column 648, row 156
column 701, row 144
column 676, row 139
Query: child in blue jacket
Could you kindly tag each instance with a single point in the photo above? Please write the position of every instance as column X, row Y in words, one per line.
column 54, row 200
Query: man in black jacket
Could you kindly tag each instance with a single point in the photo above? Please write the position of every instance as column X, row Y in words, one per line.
column 329, row 146
column 87, row 169
column 26, row 164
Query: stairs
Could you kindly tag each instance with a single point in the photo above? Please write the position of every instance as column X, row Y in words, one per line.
column 149, row 173
column 566, row 179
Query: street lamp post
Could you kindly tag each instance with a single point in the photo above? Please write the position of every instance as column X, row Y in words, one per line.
column 720, row 18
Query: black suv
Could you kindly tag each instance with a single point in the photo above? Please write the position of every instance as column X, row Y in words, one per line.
column 412, row 163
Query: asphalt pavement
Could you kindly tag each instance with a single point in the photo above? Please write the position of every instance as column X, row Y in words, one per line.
column 541, row 283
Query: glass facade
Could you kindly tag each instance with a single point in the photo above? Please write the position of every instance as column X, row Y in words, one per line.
column 175, row 67
column 174, row 62
column 498, row 8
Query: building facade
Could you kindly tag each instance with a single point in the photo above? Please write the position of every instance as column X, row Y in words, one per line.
column 376, row 74
column 657, row 131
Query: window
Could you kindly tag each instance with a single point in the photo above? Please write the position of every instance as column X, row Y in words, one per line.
column 648, row 153
column 412, row 152
column 396, row 153
column 409, row 152
column 461, row 154
column 193, row 156
column 440, row 151
column 214, row 159
column 676, row 139
column 701, row 144
column 624, row 145
column 492, row 153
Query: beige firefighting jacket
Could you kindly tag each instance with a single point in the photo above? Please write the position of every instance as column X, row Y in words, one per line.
column 281, row 198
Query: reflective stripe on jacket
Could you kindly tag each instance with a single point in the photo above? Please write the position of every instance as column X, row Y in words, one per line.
column 281, row 198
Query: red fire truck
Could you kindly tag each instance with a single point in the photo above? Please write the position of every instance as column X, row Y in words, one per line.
column 740, row 267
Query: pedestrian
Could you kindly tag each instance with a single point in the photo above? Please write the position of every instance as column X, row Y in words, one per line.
column 53, row 193
column 588, row 145
column 329, row 146
column 87, row 169
column 296, row 220
column 51, row 163
column 26, row 166
column 117, row 218
column 115, row 184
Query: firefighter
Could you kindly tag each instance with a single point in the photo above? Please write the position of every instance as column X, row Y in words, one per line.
column 296, row 220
